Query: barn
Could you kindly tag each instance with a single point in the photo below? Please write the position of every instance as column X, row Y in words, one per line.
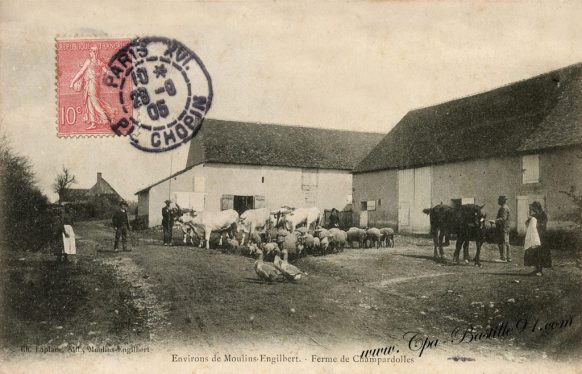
column 522, row 140
column 239, row 165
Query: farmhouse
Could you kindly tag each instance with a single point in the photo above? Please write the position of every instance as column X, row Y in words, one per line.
column 523, row 140
column 236, row 165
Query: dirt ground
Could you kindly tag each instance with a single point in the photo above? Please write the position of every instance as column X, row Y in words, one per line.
column 370, row 297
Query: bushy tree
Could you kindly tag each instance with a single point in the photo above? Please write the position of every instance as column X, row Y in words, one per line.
column 24, row 216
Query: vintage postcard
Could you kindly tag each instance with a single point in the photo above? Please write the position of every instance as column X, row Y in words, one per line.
column 271, row 186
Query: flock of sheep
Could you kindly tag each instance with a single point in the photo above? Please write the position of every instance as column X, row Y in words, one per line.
column 274, row 236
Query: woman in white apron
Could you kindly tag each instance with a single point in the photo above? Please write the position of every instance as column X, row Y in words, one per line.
column 69, row 243
column 536, row 254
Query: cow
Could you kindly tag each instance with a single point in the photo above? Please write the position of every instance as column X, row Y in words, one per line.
column 442, row 222
column 253, row 220
column 309, row 216
column 189, row 230
column 225, row 220
column 277, row 217
column 467, row 222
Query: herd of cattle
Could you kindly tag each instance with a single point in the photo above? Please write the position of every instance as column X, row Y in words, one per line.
column 298, row 231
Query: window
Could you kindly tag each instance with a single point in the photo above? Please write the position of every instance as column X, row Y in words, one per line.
column 363, row 205
column 308, row 178
column 467, row 200
column 371, row 204
column 455, row 203
column 379, row 202
column 530, row 165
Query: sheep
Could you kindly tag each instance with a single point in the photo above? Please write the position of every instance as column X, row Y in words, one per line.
column 356, row 235
column 373, row 236
column 338, row 239
column 387, row 239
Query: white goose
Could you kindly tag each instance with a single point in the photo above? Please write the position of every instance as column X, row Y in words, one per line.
column 290, row 272
column 265, row 271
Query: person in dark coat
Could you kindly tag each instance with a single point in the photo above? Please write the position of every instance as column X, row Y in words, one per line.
column 502, row 225
column 538, row 256
column 167, row 222
column 121, row 225
column 334, row 219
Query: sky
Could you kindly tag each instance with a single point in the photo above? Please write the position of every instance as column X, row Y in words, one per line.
column 358, row 65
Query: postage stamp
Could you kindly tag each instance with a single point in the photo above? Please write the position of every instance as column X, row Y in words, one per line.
column 85, row 105
column 171, row 92
column 154, row 90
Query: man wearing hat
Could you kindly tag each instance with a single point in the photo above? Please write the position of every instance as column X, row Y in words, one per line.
column 121, row 225
column 502, row 224
column 167, row 223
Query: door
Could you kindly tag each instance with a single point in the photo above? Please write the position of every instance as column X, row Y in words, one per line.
column 405, row 198
column 523, row 210
column 422, row 200
column 190, row 200
column 414, row 195
column 364, row 218
column 242, row 203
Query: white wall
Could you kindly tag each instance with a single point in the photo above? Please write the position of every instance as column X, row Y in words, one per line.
column 161, row 192
column 280, row 186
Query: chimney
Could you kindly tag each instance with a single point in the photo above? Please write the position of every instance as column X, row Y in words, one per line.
column 99, row 176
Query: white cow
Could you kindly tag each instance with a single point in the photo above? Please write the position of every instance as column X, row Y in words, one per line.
column 216, row 221
column 278, row 215
column 309, row 216
column 189, row 229
column 253, row 220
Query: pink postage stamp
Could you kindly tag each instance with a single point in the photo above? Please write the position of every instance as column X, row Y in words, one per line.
column 86, row 106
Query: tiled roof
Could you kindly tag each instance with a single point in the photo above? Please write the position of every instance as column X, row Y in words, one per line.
column 532, row 114
column 233, row 142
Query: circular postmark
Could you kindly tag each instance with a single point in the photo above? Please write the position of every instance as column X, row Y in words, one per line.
column 164, row 92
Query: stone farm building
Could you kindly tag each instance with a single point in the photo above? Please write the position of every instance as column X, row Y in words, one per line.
column 523, row 140
column 236, row 165
column 100, row 190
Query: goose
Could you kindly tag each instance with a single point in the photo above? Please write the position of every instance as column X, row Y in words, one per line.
column 278, row 262
column 290, row 272
column 265, row 271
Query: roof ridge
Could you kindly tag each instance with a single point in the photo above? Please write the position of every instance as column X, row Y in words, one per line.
column 293, row 126
column 507, row 85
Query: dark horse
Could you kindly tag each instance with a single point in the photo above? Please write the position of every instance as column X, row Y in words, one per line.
column 467, row 222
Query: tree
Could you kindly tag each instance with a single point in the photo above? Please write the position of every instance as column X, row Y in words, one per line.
column 63, row 182
column 576, row 198
column 23, row 207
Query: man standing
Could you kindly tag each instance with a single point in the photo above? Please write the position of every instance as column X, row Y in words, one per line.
column 121, row 225
column 502, row 225
column 167, row 223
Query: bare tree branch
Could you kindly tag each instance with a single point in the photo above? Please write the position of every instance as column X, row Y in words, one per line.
column 63, row 182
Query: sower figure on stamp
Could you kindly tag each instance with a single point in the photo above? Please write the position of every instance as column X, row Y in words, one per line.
column 502, row 225
column 167, row 222
column 89, row 79
column 121, row 225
